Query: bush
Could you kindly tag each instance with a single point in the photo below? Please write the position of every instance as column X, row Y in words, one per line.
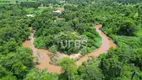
column 40, row 42
column 84, row 51
column 53, row 49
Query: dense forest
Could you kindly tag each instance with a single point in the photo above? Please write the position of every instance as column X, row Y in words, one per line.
column 72, row 28
column 121, row 20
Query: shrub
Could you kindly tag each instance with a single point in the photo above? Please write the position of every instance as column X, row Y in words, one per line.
column 84, row 50
column 53, row 49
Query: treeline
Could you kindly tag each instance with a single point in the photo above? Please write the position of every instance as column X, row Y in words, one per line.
column 30, row 4
column 128, row 1
column 60, row 2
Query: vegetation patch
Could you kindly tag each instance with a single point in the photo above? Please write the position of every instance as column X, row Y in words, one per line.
column 69, row 36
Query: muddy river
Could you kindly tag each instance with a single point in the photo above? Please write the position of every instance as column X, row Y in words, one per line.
column 44, row 59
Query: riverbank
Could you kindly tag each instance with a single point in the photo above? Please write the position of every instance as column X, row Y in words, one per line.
column 44, row 59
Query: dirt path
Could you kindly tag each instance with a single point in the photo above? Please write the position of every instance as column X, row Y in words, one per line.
column 44, row 58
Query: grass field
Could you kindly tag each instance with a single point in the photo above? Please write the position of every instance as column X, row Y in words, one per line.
column 28, row 10
column 35, row 11
column 14, row 1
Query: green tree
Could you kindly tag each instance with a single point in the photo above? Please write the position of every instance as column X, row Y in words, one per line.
column 69, row 68
column 90, row 72
column 127, row 28
column 36, row 74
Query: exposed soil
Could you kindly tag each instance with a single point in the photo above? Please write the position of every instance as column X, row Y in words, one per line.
column 58, row 56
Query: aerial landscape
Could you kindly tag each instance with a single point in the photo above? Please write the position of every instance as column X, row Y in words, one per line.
column 70, row 39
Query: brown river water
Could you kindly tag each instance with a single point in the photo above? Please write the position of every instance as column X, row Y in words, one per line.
column 106, row 44
column 44, row 59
